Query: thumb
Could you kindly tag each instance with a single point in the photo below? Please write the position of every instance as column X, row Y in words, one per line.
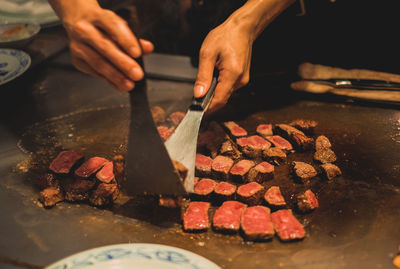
column 204, row 75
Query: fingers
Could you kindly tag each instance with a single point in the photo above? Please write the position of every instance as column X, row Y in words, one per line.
column 95, row 64
column 147, row 46
column 207, row 62
column 224, row 89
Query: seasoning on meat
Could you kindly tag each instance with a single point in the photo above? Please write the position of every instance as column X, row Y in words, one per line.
column 253, row 146
column 104, row 195
column 227, row 216
column 165, row 132
column 274, row 198
column 250, row 193
column 330, row 170
column 325, row 156
column 158, row 114
column 79, row 190
column 264, row 130
column 295, row 136
column 195, row 218
column 47, row 180
column 181, row 169
column 230, row 149
column 322, row 142
column 204, row 188
column 280, row 142
column 307, row 201
column 224, row 191
column 256, row 223
column 261, row 172
column 119, row 169
column 234, row 129
column 240, row 169
column 286, row 225
column 176, row 117
column 307, row 126
column 51, row 196
column 64, row 161
column 106, row 174
column 221, row 166
column 303, row 171
column 90, row 167
column 274, row 155
column 203, row 165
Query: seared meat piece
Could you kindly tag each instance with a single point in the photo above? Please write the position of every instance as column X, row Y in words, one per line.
column 274, row 154
column 176, row 117
column 195, row 218
column 106, row 174
column 322, row 142
column 240, row 169
column 170, row 201
column 264, row 130
column 204, row 188
column 181, row 169
column 280, row 142
column 51, row 196
column 303, row 171
column 261, row 172
column 234, row 129
column 47, row 180
column 79, row 190
column 274, row 198
column 119, row 169
column 90, row 167
column 250, row 193
column 287, row 226
column 307, row 201
column 104, row 195
column 224, row 191
column 256, row 223
column 165, row 132
column 195, row 181
column 158, row 114
column 330, row 170
column 295, row 136
column 325, row 156
column 221, row 166
column 64, row 161
column 227, row 216
column 219, row 137
column 253, row 146
column 203, row 165
column 307, row 126
column 229, row 148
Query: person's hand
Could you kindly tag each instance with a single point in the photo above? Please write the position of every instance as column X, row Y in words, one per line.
column 101, row 42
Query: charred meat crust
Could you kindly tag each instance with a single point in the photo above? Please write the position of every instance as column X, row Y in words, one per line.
column 274, row 155
column 303, row 171
column 325, row 156
column 221, row 166
column 261, row 172
column 203, row 165
column 230, row 149
column 307, row 201
column 330, row 170
column 296, row 137
column 104, row 195
column 51, row 196
column 307, row 126
column 240, row 170
column 250, row 193
column 79, row 190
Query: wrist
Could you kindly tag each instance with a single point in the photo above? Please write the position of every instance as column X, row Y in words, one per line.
column 69, row 10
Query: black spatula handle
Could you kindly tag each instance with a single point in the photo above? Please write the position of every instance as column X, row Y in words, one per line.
column 203, row 102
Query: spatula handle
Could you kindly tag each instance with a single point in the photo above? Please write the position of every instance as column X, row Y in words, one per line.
column 203, row 102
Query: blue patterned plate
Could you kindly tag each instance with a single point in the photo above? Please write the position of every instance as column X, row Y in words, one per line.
column 13, row 63
column 134, row 256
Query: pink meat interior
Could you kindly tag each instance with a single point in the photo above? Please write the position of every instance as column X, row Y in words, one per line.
column 257, row 219
column 222, row 163
column 205, row 186
column 280, row 142
column 264, row 129
column 106, row 174
column 242, row 167
column 265, row 167
column 225, row 188
column 196, row 216
column 249, row 189
column 203, row 162
column 91, row 166
column 287, row 226
column 228, row 215
column 274, row 196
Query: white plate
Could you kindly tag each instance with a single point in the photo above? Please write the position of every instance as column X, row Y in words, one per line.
column 134, row 256
column 18, row 38
column 13, row 63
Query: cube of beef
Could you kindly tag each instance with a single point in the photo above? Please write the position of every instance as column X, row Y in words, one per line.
column 234, row 129
column 224, row 191
column 181, row 169
column 280, row 142
column 250, row 193
column 240, row 169
column 307, row 201
column 274, row 198
column 176, row 117
column 203, row 165
column 119, row 169
column 51, row 196
column 307, row 126
column 325, row 156
column 261, row 172
column 90, row 167
column 227, row 216
column 106, row 174
column 158, row 114
column 47, row 180
column 79, row 190
column 287, row 226
column 264, row 130
column 274, row 155
column 64, row 161
column 204, row 188
column 322, row 142
column 330, row 170
column 104, row 195
column 256, row 223
column 303, row 171
column 219, row 137
column 296, row 137
column 195, row 218
column 253, row 146
column 165, row 132
column 221, row 166
column 230, row 149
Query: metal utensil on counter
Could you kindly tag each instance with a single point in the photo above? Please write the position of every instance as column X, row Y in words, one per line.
column 360, row 84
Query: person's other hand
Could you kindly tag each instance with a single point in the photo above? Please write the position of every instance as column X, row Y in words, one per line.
column 101, row 42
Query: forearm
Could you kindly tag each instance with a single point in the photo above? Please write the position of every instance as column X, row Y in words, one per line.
column 66, row 9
